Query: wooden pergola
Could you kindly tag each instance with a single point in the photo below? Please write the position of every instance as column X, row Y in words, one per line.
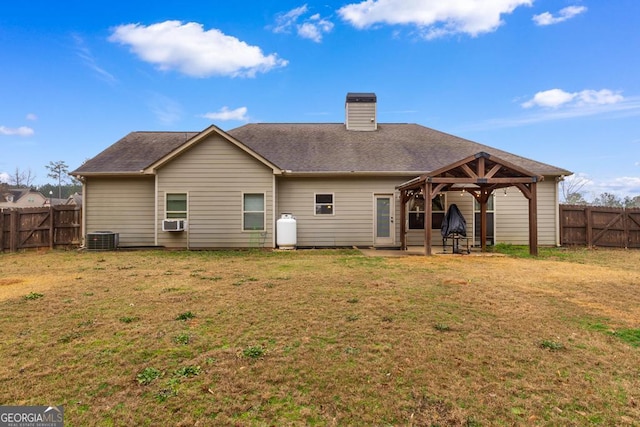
column 480, row 175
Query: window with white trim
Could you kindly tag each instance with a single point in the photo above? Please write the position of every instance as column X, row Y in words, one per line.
column 253, row 216
column 176, row 205
column 324, row 204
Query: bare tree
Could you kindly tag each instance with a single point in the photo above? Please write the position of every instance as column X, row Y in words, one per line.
column 58, row 171
column 22, row 178
column 571, row 188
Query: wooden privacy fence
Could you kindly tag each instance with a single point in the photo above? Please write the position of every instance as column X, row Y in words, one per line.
column 47, row 227
column 600, row 226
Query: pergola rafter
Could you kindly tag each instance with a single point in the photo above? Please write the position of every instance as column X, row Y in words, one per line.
column 480, row 175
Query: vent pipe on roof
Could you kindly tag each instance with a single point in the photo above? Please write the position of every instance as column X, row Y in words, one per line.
column 361, row 111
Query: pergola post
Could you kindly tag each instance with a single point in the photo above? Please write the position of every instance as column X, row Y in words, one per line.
column 483, row 222
column 533, row 220
column 403, row 220
column 428, row 211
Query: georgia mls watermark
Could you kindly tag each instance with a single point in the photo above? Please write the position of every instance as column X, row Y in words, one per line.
column 31, row 416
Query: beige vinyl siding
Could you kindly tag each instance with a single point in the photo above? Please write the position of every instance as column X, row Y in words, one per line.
column 361, row 116
column 352, row 223
column 215, row 174
column 123, row 205
column 512, row 215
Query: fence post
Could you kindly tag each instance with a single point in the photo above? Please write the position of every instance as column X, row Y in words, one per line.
column 52, row 231
column 627, row 227
column 589, row 221
column 2, row 222
column 14, row 231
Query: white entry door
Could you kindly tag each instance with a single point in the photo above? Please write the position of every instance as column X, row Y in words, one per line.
column 383, row 216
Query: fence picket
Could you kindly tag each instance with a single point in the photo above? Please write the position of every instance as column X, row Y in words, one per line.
column 50, row 227
column 600, row 226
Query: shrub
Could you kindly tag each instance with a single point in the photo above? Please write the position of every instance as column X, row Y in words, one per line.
column 148, row 375
column 254, row 352
column 185, row 316
column 552, row 345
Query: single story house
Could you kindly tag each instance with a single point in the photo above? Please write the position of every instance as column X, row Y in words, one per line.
column 358, row 183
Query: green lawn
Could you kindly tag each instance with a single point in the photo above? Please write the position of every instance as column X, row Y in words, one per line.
column 323, row 338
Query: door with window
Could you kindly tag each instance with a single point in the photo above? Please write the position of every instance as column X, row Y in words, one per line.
column 384, row 232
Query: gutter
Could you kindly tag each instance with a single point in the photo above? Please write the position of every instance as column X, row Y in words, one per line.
column 318, row 174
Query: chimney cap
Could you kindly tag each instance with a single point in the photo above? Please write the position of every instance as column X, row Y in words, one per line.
column 361, row 97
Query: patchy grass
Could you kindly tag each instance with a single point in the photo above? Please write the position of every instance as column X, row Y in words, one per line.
column 323, row 337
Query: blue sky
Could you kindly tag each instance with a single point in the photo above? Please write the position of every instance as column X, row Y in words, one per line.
column 553, row 80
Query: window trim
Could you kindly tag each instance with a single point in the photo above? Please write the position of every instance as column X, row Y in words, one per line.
column 166, row 207
column 263, row 211
column 316, row 204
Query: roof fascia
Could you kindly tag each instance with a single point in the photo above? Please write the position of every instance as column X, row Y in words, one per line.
column 110, row 174
column 288, row 173
column 213, row 129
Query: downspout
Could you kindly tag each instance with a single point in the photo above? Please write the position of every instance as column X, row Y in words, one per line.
column 155, row 214
column 273, row 214
column 557, row 209
column 84, row 213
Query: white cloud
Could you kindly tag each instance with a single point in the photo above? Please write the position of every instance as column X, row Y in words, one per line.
column 577, row 108
column 555, row 98
column 21, row 131
column 591, row 187
column 89, row 60
column 189, row 49
column 285, row 21
column 4, row 177
column 549, row 98
column 312, row 28
column 166, row 110
column 225, row 114
column 433, row 18
column 547, row 18
column 32, row 117
column 621, row 186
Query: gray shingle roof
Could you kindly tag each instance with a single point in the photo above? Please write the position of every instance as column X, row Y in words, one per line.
column 135, row 152
column 392, row 148
column 318, row 147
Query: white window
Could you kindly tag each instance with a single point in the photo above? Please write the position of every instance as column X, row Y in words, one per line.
column 324, row 204
column 253, row 211
column 176, row 205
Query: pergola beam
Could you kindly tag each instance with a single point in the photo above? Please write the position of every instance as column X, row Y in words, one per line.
column 480, row 181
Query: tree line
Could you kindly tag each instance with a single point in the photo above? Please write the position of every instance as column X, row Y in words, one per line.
column 572, row 194
column 64, row 184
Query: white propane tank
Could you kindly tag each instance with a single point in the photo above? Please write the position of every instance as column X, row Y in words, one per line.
column 286, row 233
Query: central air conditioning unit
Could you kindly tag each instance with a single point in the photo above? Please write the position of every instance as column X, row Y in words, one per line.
column 102, row 241
column 173, row 225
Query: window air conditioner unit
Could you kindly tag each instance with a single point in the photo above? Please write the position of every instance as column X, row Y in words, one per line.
column 173, row 225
